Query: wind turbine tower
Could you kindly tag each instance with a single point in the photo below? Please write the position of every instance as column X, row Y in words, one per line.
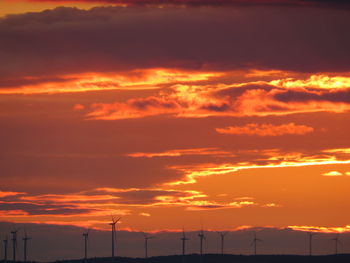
column 222, row 236
column 336, row 242
column 184, row 239
column 201, row 238
column 114, row 240
column 25, row 240
column 310, row 242
column 14, row 242
column 86, row 240
column 147, row 237
column 5, row 241
column 255, row 240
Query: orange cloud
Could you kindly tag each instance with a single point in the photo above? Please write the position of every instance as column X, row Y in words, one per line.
column 267, row 129
column 269, row 159
column 319, row 93
column 5, row 193
column 336, row 174
column 78, row 107
column 145, row 214
column 131, row 80
column 182, row 152
column 314, row 81
column 332, row 173
column 320, row 229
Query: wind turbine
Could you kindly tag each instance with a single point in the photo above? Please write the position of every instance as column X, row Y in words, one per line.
column 147, row 237
column 201, row 238
column 114, row 239
column 5, row 241
column 86, row 240
column 14, row 242
column 310, row 242
column 255, row 240
column 184, row 239
column 336, row 242
column 25, row 239
column 222, row 236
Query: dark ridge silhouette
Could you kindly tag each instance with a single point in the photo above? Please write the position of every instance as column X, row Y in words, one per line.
column 215, row 258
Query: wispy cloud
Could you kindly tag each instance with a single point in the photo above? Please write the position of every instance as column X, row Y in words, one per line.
column 183, row 152
column 267, row 129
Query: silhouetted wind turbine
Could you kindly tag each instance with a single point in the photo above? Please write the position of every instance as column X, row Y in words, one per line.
column 5, row 241
column 25, row 239
column 336, row 242
column 14, row 242
column 255, row 240
column 310, row 242
column 184, row 239
column 147, row 237
column 222, row 236
column 201, row 238
column 86, row 240
column 114, row 240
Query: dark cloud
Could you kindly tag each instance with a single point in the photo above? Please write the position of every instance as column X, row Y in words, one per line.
column 69, row 40
column 42, row 209
column 144, row 103
column 234, row 92
column 17, row 82
column 303, row 96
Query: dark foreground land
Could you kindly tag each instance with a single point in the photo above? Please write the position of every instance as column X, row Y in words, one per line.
column 213, row 258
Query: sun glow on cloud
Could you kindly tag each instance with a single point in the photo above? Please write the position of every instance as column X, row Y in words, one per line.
column 277, row 97
column 314, row 81
column 90, row 208
column 274, row 159
column 132, row 80
column 336, row 173
column 318, row 229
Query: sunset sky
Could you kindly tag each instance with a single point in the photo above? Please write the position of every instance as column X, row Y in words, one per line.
column 221, row 114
